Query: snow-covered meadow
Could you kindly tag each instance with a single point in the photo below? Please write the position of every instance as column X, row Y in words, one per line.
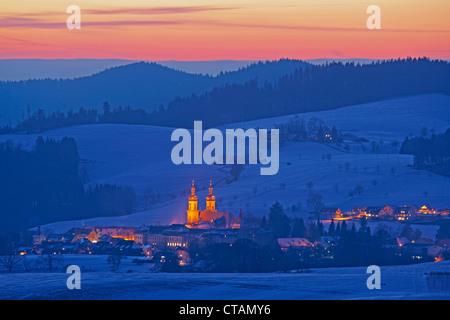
column 138, row 282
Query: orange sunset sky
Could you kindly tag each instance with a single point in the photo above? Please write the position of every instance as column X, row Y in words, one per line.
column 223, row 29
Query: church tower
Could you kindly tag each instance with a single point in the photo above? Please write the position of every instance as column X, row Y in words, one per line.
column 210, row 199
column 193, row 212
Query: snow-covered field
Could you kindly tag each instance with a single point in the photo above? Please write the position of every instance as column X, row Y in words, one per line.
column 382, row 120
column 140, row 156
column 137, row 282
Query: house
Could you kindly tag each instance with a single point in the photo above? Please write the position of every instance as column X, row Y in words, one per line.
column 401, row 241
column 38, row 239
column 203, row 266
column 327, row 241
column 330, row 213
column 355, row 212
column 68, row 248
column 288, row 243
column 150, row 251
column 94, row 234
column 164, row 257
column 444, row 243
column 23, row 250
column 386, row 212
column 404, row 213
column 373, row 212
column 57, row 237
column 378, row 212
column 51, row 247
column 141, row 235
column 417, row 251
column 126, row 233
column 434, row 251
column 236, row 221
column 128, row 248
column 81, row 233
column 176, row 235
column 218, row 236
column 323, row 134
column 424, row 210
column 84, row 246
column 361, row 212
column 101, row 247
column 183, row 257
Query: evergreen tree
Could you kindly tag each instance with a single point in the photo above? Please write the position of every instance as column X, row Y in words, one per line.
column 263, row 223
column 331, row 229
column 298, row 228
column 320, row 228
column 344, row 228
column 407, row 231
column 338, row 229
column 278, row 221
column 444, row 230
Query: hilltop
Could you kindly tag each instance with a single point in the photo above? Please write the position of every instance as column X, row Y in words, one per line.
column 141, row 85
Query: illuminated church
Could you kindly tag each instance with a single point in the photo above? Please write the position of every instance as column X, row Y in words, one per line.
column 210, row 217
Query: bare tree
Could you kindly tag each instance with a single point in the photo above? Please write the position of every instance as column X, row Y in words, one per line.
column 310, row 185
column 347, row 166
column 358, row 189
column 234, row 173
column 26, row 263
column 395, row 144
column 336, row 187
column 10, row 261
column 393, row 170
column 314, row 202
column 52, row 260
column 114, row 261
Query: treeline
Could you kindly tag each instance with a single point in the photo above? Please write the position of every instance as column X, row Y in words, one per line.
column 430, row 152
column 39, row 121
column 45, row 184
column 315, row 88
column 297, row 129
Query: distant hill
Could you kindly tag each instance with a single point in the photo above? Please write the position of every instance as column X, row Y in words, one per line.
column 139, row 85
column 27, row 69
column 212, row 67
column 31, row 69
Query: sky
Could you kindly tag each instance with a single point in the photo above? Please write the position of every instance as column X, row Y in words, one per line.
column 199, row 30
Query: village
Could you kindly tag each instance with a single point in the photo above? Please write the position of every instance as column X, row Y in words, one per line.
column 195, row 246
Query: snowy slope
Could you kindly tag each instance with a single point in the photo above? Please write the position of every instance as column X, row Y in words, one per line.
column 383, row 120
column 140, row 156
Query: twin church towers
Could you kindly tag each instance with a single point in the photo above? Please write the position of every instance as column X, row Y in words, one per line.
column 210, row 217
